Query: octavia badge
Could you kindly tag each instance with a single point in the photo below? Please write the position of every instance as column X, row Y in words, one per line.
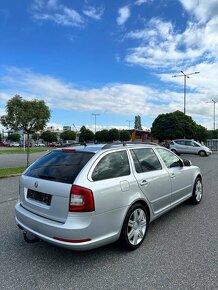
column 36, row 184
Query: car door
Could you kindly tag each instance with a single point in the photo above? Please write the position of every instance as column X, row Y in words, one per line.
column 190, row 147
column 180, row 146
column 181, row 178
column 112, row 181
column 153, row 180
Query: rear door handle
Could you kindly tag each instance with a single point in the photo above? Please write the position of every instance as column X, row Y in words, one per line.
column 144, row 182
column 172, row 175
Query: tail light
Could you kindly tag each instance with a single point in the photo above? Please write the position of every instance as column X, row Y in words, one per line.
column 81, row 199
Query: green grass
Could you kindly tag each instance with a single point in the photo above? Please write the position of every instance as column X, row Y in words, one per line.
column 21, row 151
column 10, row 171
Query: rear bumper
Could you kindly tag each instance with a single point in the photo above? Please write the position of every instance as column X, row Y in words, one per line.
column 101, row 230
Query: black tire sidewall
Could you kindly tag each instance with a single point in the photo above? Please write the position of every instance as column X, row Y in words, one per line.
column 194, row 200
column 124, row 232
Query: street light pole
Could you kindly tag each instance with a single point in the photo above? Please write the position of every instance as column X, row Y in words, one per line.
column 95, row 119
column 185, row 77
column 214, row 113
column 129, row 121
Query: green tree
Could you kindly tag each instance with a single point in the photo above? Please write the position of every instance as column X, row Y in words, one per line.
column 35, row 136
column 138, row 125
column 124, row 135
column 114, row 135
column 176, row 125
column 49, row 136
column 201, row 133
column 29, row 116
column 102, row 136
column 86, row 135
column 14, row 137
column 68, row 135
column 213, row 134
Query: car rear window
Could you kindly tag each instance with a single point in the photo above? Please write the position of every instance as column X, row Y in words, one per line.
column 59, row 166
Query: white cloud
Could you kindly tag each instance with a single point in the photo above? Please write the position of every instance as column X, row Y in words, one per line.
column 140, row 2
column 93, row 12
column 160, row 46
column 124, row 14
column 116, row 98
column 55, row 12
column 203, row 10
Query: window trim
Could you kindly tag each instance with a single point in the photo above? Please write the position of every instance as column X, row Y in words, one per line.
column 102, row 155
column 162, row 161
column 133, row 163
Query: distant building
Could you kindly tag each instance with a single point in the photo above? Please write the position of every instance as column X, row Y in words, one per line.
column 140, row 135
column 66, row 128
column 53, row 129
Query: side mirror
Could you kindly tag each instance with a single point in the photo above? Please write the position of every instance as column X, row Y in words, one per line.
column 187, row 162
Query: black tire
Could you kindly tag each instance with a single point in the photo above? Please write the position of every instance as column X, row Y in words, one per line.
column 134, row 227
column 197, row 191
column 174, row 151
column 202, row 153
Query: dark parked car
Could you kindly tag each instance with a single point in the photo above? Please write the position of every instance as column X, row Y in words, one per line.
column 5, row 144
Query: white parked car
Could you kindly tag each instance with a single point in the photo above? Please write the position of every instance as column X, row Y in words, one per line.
column 39, row 145
column 14, row 144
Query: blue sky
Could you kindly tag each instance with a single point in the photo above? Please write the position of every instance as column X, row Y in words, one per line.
column 113, row 58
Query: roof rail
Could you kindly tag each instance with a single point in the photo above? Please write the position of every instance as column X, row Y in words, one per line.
column 109, row 145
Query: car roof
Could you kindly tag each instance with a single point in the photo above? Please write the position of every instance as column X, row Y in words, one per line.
column 183, row 140
column 94, row 148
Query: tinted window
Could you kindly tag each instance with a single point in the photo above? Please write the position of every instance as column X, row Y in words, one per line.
column 189, row 143
column 169, row 158
column 192, row 143
column 59, row 166
column 196, row 144
column 180, row 142
column 145, row 160
column 112, row 165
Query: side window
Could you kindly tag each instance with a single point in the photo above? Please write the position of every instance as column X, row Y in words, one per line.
column 180, row 142
column 188, row 143
column 145, row 160
column 112, row 165
column 169, row 158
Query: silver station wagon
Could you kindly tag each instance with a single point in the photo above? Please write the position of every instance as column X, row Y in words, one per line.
column 180, row 146
column 88, row 196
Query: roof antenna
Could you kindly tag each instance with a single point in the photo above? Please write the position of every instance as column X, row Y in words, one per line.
column 83, row 142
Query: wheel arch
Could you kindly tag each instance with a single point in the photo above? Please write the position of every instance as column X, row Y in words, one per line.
column 197, row 176
column 145, row 204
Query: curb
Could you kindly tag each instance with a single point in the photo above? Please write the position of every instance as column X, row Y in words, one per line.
column 10, row 175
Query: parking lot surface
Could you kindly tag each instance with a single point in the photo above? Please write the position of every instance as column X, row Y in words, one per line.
column 16, row 160
column 180, row 250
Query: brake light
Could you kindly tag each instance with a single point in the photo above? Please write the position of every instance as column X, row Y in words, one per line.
column 69, row 150
column 81, row 199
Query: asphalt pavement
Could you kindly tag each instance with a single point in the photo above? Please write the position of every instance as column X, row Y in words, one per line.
column 16, row 160
column 180, row 250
